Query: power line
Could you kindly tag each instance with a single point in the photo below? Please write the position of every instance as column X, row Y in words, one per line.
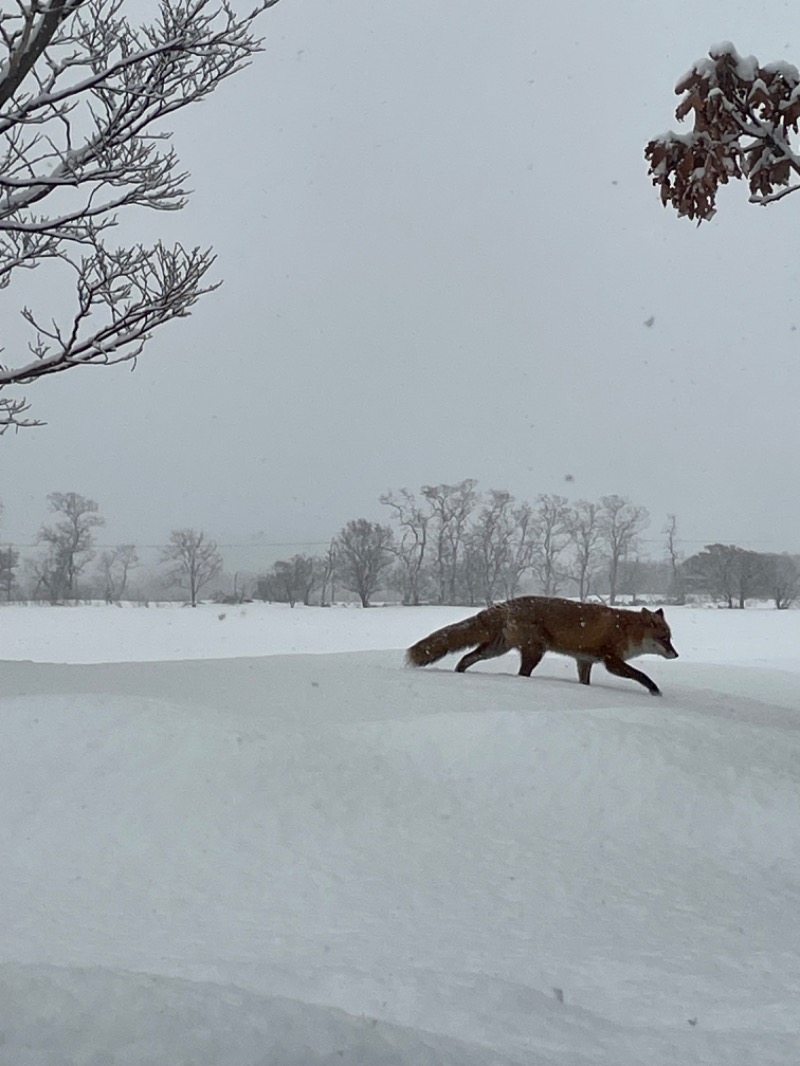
column 11, row 542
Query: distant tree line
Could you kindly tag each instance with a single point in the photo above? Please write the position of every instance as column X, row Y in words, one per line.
column 446, row 544
column 733, row 575
column 59, row 572
column 453, row 544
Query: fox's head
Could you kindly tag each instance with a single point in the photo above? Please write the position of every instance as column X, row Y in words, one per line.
column 658, row 636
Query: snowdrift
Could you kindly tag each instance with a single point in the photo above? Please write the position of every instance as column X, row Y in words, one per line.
column 302, row 858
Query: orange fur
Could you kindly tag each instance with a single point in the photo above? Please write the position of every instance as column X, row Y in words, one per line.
column 588, row 632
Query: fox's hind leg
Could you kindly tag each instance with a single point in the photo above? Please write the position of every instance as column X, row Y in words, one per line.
column 490, row 649
column 584, row 670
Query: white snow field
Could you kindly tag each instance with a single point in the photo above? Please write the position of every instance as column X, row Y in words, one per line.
column 251, row 835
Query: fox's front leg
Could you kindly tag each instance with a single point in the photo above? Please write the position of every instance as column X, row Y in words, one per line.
column 584, row 670
column 531, row 656
column 622, row 669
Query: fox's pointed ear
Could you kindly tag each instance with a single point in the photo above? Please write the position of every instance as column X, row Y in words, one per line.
column 646, row 613
column 660, row 612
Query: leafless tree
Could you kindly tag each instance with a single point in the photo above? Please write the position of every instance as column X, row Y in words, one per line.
column 327, row 569
column 676, row 592
column 749, row 576
column 521, row 547
column 470, row 574
column 781, row 579
column 288, row 581
column 303, row 578
column 69, row 543
column 83, row 97
column 744, row 117
column 309, row 572
column 490, row 541
column 9, row 560
column 411, row 548
column 620, row 523
column 642, row 576
column 631, row 577
column 584, row 532
column 114, row 567
column 723, row 571
column 452, row 507
column 363, row 554
column 552, row 523
column 193, row 561
column 270, row 587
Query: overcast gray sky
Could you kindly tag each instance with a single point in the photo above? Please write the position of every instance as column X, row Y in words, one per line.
column 440, row 247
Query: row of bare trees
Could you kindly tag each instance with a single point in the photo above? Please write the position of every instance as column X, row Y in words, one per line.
column 449, row 544
column 458, row 545
column 358, row 560
column 67, row 546
column 453, row 544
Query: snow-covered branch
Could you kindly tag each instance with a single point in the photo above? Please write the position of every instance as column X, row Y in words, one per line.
column 744, row 116
column 83, row 97
column 121, row 296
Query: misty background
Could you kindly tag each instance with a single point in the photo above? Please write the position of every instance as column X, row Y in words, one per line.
column 443, row 259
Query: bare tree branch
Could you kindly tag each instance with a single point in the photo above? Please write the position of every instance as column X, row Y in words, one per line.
column 83, row 96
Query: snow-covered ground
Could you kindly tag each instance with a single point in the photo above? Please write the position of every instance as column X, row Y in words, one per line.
column 250, row 835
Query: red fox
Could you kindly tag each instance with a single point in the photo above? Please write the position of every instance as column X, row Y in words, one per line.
column 589, row 632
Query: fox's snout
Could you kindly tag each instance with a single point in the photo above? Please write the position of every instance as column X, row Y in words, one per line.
column 668, row 650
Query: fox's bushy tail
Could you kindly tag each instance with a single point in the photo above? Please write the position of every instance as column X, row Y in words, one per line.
column 484, row 626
